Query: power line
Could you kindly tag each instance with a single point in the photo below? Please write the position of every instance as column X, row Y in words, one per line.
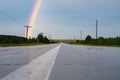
column 10, row 17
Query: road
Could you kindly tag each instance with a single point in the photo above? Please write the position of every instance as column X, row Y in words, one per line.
column 60, row 62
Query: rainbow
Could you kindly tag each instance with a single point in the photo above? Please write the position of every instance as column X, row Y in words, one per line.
column 33, row 15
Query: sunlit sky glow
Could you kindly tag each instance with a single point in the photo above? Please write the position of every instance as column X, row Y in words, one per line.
column 62, row 18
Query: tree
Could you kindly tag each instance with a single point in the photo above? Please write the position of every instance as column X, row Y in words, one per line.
column 101, row 40
column 46, row 40
column 40, row 37
column 88, row 39
column 9, row 39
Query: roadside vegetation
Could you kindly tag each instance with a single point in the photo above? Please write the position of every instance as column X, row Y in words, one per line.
column 9, row 40
column 101, row 41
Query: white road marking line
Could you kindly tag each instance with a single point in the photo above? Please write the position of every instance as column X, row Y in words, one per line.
column 38, row 69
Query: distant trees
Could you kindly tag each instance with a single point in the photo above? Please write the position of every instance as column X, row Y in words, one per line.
column 39, row 39
column 31, row 40
column 101, row 41
column 9, row 39
column 42, row 38
column 88, row 39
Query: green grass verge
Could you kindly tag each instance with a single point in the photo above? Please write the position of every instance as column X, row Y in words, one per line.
column 26, row 44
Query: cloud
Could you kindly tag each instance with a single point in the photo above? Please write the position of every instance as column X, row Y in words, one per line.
column 63, row 18
column 79, row 2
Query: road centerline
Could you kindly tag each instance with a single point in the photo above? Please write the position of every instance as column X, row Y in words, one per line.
column 38, row 69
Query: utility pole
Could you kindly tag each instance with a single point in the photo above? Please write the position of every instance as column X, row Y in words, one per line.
column 27, row 30
column 74, row 38
column 81, row 34
column 96, row 29
column 37, row 39
column 49, row 37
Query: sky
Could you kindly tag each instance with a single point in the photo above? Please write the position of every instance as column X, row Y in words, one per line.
column 61, row 18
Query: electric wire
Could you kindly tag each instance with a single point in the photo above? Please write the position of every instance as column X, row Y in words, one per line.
column 11, row 17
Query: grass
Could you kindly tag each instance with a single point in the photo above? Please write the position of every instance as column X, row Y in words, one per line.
column 25, row 44
column 71, row 41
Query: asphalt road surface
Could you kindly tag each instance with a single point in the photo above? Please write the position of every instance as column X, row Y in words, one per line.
column 60, row 62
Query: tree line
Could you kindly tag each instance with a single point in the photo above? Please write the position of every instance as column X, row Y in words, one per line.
column 101, row 41
column 10, row 39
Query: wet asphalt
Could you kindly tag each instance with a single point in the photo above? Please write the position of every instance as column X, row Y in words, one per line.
column 86, row 63
column 12, row 58
column 73, row 62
